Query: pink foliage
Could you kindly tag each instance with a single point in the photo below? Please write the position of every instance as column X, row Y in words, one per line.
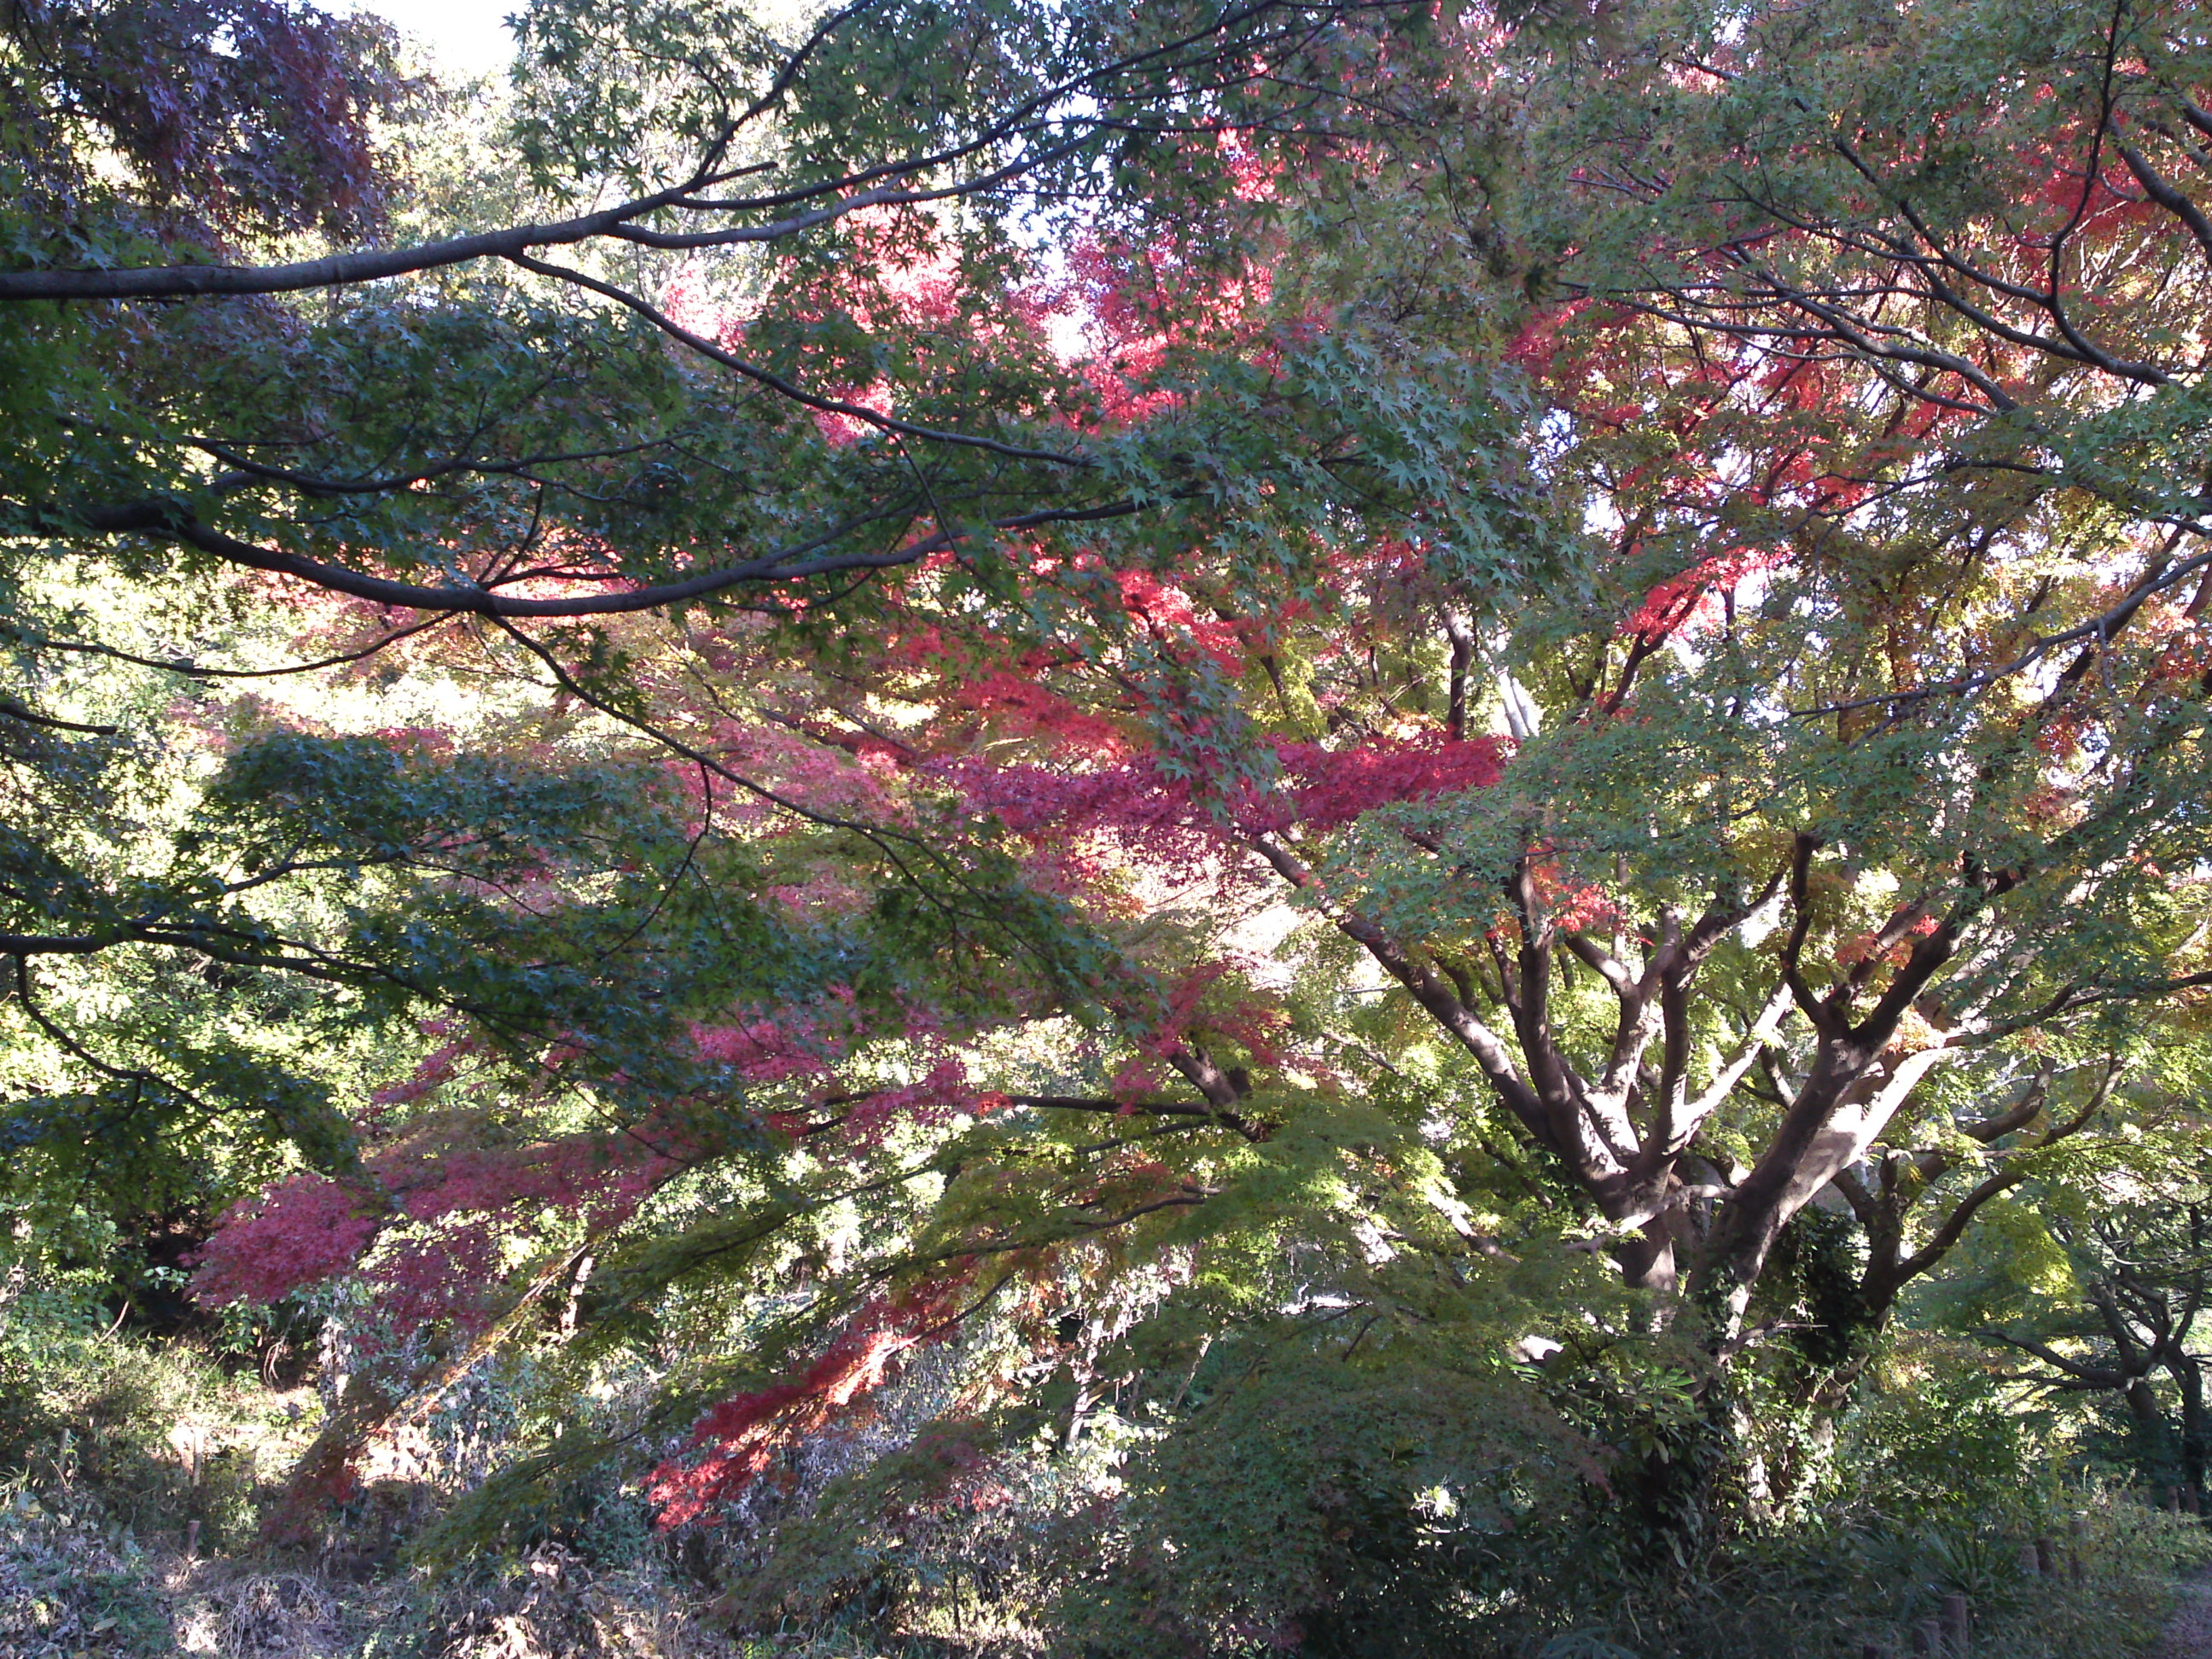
column 800, row 765
column 1335, row 786
column 297, row 1233
column 1256, row 1027
column 942, row 1091
column 1133, row 800
column 1019, row 702
column 762, row 1050
column 1133, row 308
column 471, row 1200
column 437, row 1068
column 1693, row 599
column 587, row 1174
column 1165, row 611
column 741, row 1436
column 452, row 1276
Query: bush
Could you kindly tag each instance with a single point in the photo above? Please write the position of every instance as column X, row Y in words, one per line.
column 66, row 1588
column 150, row 1438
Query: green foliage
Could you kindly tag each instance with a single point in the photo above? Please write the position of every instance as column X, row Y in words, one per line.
column 1191, row 828
column 1830, row 1588
column 64, row 1590
column 130, row 1439
column 1311, row 1497
column 1937, row 1440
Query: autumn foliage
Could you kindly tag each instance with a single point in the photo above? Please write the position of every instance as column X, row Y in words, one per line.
column 1415, row 747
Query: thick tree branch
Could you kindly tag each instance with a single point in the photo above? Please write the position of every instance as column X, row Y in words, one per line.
column 1435, row 995
column 171, row 522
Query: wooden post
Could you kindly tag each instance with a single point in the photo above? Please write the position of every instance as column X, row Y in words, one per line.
column 1927, row 1638
column 2046, row 1557
column 1955, row 1626
column 2031, row 1562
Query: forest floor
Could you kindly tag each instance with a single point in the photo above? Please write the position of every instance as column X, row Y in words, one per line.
column 131, row 1489
column 2189, row 1635
column 66, row 1593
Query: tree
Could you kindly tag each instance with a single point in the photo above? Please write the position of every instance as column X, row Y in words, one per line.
column 864, row 382
column 1812, row 874
column 1820, row 502
column 1452, row 706
column 503, row 987
column 2096, row 1286
column 1741, row 731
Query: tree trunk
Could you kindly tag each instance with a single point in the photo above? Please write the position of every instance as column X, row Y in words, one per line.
column 2153, row 1433
column 2195, row 1431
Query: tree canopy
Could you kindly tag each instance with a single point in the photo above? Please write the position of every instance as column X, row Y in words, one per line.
column 1409, row 748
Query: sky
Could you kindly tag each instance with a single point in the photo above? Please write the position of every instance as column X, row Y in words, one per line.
column 469, row 36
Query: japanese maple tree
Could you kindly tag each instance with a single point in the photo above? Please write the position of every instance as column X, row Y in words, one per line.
column 1208, row 721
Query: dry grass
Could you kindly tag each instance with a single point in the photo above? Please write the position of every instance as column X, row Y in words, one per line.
column 68, row 1593
column 261, row 1615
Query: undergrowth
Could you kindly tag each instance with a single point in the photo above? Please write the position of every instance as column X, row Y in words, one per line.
column 134, row 1477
